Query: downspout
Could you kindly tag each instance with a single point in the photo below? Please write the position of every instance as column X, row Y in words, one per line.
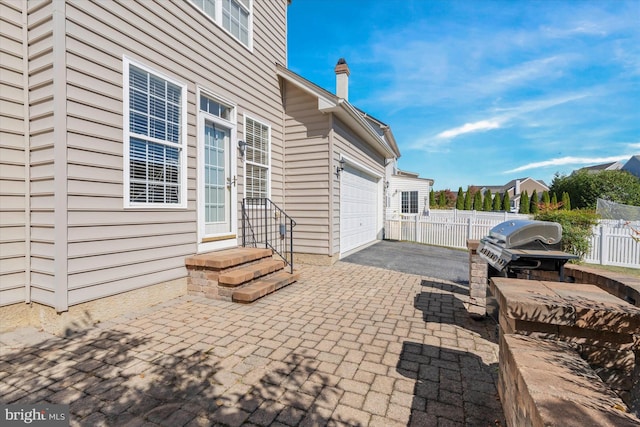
column 27, row 153
column 331, row 183
column 283, row 93
column 60, row 198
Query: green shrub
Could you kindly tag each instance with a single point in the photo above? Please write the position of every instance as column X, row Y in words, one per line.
column 497, row 202
column 576, row 225
column 477, row 201
column 533, row 203
column 460, row 199
column 524, row 203
column 506, row 202
column 467, row 200
column 487, row 203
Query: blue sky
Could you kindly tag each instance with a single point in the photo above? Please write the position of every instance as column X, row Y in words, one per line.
column 480, row 92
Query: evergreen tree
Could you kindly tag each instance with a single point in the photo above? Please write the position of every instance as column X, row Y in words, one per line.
column 467, row 200
column 432, row 199
column 545, row 198
column 497, row 202
column 460, row 199
column 524, row 203
column 506, row 202
column 554, row 199
column 442, row 200
column 486, row 204
column 477, row 201
column 566, row 201
column 533, row 203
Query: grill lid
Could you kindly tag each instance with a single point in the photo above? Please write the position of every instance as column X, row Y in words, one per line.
column 520, row 232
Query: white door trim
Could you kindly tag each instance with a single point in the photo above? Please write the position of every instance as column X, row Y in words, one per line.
column 226, row 240
column 355, row 164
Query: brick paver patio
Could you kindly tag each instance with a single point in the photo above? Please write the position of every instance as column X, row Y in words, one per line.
column 346, row 345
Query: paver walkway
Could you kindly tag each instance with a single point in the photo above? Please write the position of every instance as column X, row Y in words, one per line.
column 346, row 345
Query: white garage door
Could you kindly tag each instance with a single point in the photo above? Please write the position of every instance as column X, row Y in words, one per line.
column 358, row 208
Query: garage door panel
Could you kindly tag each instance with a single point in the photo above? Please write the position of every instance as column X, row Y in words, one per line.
column 358, row 208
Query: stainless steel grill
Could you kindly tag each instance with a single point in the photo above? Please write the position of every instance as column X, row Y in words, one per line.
column 518, row 245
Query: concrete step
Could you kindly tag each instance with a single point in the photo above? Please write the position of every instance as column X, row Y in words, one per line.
column 242, row 275
column 264, row 286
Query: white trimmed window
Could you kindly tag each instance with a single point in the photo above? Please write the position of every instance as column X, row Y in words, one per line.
column 409, row 202
column 233, row 15
column 258, row 138
column 154, row 138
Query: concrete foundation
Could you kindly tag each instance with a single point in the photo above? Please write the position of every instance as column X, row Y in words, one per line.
column 84, row 315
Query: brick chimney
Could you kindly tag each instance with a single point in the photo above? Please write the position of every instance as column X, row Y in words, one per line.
column 342, row 79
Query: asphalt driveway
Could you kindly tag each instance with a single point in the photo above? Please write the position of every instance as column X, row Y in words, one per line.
column 413, row 258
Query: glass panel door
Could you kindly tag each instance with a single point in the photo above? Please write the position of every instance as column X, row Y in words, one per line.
column 217, row 179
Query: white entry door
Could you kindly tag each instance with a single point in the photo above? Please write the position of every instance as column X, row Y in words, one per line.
column 358, row 208
column 218, row 180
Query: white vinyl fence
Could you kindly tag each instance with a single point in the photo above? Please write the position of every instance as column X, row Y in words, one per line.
column 611, row 242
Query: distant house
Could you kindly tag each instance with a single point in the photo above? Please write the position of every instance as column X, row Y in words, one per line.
column 515, row 188
column 611, row 166
column 633, row 166
column 407, row 193
column 132, row 131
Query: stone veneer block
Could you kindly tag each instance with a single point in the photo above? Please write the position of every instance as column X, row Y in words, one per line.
column 227, row 258
column 598, row 309
column 531, row 301
column 546, row 383
column 623, row 286
column 263, row 287
column 478, row 274
column 245, row 274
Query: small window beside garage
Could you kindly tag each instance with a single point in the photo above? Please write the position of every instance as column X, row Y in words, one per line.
column 409, row 202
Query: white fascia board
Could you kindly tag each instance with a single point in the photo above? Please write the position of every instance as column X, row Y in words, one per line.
column 355, row 119
column 391, row 141
column 400, row 178
column 329, row 103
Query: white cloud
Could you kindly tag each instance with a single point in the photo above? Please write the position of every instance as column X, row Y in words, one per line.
column 540, row 104
column 561, row 161
column 585, row 27
column 480, row 126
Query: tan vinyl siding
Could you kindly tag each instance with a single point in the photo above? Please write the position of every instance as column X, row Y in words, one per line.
column 76, row 206
column 307, row 171
column 112, row 249
column 41, row 141
column 13, row 155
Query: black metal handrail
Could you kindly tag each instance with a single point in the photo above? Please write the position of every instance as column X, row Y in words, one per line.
column 264, row 223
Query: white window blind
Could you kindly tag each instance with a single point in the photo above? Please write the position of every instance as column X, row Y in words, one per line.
column 154, row 139
column 257, row 137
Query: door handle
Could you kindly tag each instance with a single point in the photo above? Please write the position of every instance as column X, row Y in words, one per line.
column 231, row 181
